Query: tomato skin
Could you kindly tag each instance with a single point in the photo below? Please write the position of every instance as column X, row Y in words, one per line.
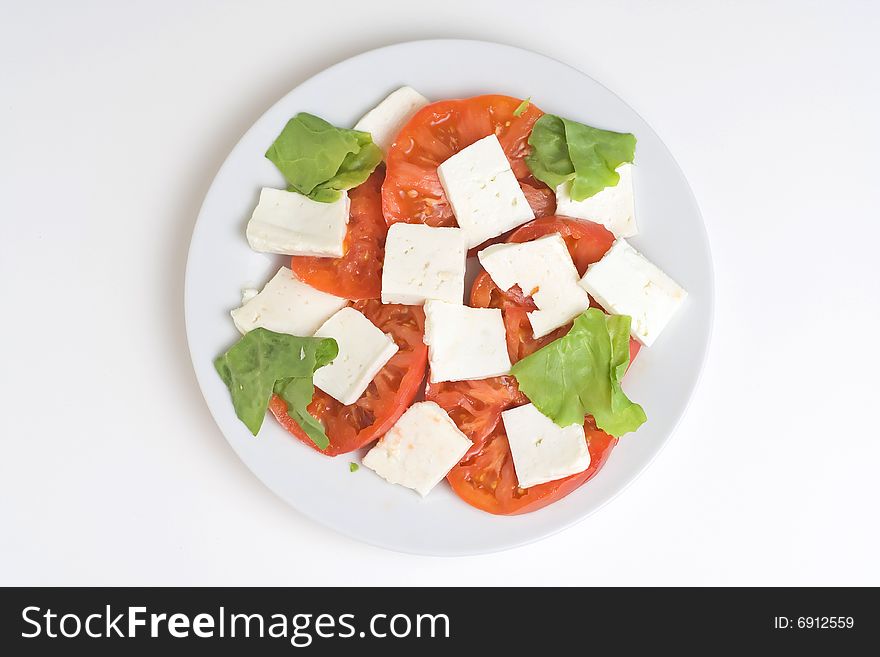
column 412, row 191
column 356, row 275
column 485, row 478
column 386, row 398
column 634, row 346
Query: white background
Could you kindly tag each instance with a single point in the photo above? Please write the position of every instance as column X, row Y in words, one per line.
column 114, row 118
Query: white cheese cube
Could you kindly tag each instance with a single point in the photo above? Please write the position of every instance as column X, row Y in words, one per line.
column 420, row 449
column 286, row 305
column 543, row 451
column 543, row 269
column 289, row 223
column 624, row 282
column 484, row 193
column 385, row 120
column 613, row 207
column 363, row 350
column 423, row 263
column 465, row 344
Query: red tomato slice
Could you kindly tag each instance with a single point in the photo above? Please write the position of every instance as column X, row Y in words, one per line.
column 388, row 395
column 541, row 198
column 587, row 242
column 475, row 406
column 412, row 190
column 358, row 274
column 486, row 478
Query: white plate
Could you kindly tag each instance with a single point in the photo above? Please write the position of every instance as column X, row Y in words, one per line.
column 360, row 504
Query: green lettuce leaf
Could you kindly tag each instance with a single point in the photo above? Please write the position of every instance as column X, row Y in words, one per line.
column 297, row 393
column 263, row 362
column 354, row 170
column 320, row 160
column 548, row 160
column 579, row 374
column 565, row 150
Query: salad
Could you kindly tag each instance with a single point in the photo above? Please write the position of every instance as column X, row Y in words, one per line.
column 367, row 340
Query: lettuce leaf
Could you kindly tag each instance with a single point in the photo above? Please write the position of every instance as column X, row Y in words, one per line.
column 354, row 170
column 579, row 374
column 549, row 160
column 320, row 160
column 263, row 362
column 564, row 150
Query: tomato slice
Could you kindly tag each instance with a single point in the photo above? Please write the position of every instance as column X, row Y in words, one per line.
column 485, row 477
column 475, row 406
column 541, row 198
column 587, row 242
column 412, row 190
column 385, row 399
column 358, row 274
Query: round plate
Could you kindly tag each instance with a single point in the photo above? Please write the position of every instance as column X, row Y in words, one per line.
column 361, row 504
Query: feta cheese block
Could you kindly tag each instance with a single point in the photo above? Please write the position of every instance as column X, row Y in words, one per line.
column 385, row 120
column 543, row 451
column 465, row 344
column 289, row 223
column 624, row 282
column 543, row 269
column 363, row 351
column 420, row 449
column 484, row 193
column 422, row 263
column 286, row 305
column 613, row 207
